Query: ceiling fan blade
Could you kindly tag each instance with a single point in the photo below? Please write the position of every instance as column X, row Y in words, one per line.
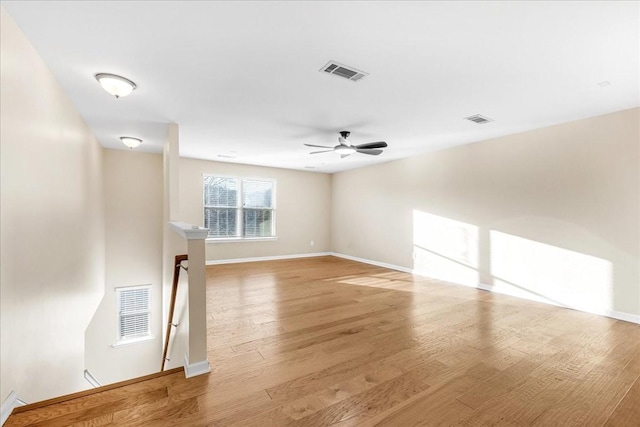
column 369, row 151
column 342, row 156
column 323, row 151
column 380, row 144
column 319, row 146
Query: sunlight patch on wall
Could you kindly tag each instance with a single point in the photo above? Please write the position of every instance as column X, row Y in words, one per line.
column 541, row 272
column 445, row 249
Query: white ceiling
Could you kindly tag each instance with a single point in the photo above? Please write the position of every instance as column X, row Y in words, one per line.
column 243, row 79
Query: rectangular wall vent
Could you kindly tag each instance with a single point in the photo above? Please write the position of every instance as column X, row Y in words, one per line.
column 343, row 71
column 478, row 119
column 134, row 312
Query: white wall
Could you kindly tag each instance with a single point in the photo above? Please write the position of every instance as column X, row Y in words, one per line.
column 302, row 210
column 133, row 215
column 173, row 244
column 551, row 214
column 52, row 227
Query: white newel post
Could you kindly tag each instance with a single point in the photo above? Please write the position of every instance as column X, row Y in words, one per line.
column 195, row 361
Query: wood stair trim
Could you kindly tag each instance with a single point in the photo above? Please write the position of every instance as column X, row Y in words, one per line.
column 84, row 393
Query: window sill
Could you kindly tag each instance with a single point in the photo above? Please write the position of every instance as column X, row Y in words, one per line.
column 124, row 343
column 241, row 239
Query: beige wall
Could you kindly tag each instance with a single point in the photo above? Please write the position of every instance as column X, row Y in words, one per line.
column 52, row 227
column 552, row 214
column 133, row 217
column 302, row 211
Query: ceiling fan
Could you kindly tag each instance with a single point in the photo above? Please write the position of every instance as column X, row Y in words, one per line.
column 345, row 148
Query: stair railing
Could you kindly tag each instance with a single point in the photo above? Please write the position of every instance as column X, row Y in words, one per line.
column 179, row 259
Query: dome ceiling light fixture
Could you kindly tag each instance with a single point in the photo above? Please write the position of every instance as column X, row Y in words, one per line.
column 117, row 86
column 130, row 141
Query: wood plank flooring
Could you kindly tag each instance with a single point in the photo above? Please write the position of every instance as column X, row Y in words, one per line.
column 330, row 342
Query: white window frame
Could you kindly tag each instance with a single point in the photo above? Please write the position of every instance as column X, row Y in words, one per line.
column 240, row 208
column 120, row 340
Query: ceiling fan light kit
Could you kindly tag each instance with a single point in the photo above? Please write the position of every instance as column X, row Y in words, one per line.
column 343, row 149
column 346, row 148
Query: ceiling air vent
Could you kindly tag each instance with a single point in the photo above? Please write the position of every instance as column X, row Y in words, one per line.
column 478, row 119
column 344, row 71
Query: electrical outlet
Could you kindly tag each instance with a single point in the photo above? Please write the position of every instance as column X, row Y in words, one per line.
column 312, row 243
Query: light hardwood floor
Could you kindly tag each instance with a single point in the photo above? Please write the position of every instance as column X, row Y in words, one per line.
column 326, row 341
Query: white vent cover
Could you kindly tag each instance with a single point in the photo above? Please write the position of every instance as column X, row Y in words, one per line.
column 134, row 312
column 343, row 71
column 478, row 119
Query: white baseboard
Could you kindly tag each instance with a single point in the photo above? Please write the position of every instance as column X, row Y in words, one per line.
column 8, row 405
column 621, row 315
column 195, row 369
column 265, row 258
column 377, row 263
column 618, row 315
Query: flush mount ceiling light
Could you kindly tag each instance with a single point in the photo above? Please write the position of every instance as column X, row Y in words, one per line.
column 117, row 86
column 130, row 141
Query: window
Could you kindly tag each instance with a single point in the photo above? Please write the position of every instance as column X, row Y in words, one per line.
column 239, row 208
column 134, row 313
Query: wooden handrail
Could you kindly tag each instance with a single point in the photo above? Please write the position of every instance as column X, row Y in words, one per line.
column 174, row 290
